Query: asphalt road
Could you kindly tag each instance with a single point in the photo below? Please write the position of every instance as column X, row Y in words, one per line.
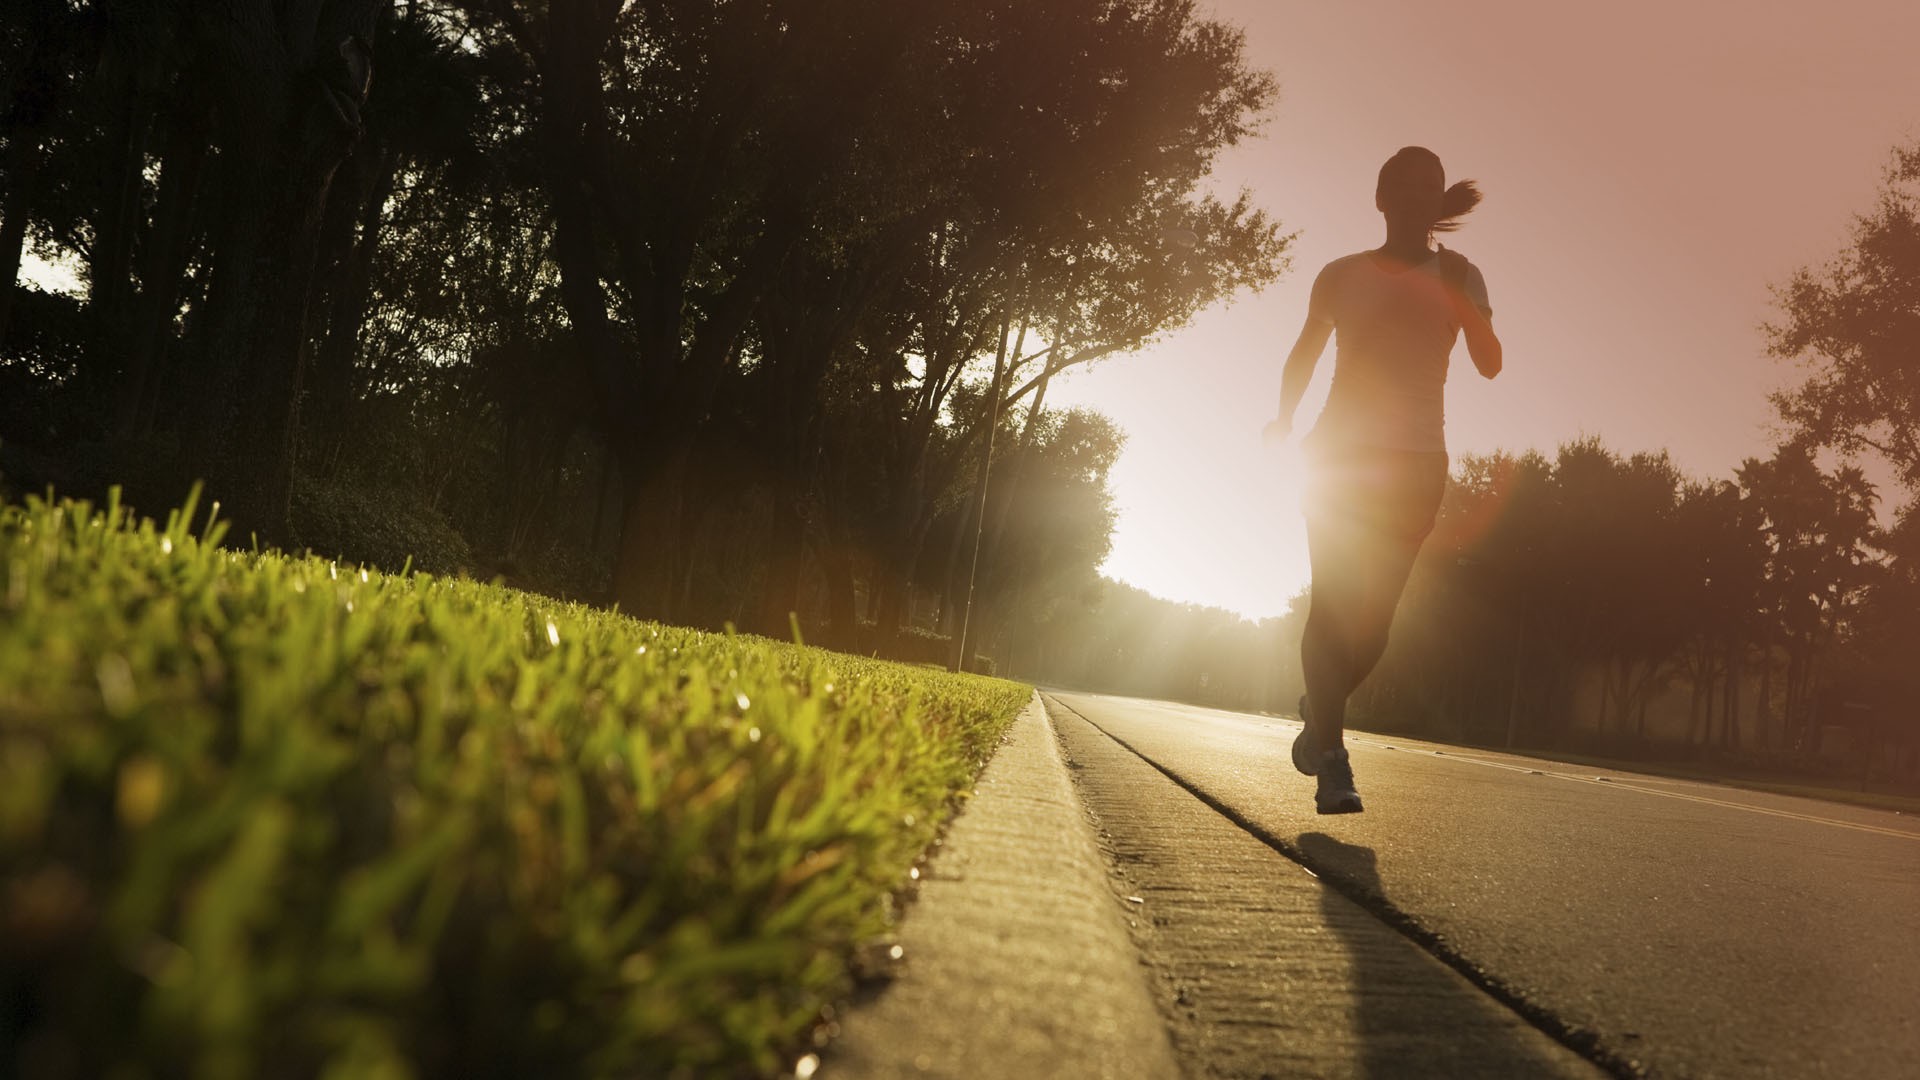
column 1693, row 929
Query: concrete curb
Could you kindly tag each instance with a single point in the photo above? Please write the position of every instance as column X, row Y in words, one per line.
column 1017, row 962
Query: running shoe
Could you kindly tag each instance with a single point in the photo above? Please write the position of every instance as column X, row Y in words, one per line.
column 1304, row 757
column 1336, row 794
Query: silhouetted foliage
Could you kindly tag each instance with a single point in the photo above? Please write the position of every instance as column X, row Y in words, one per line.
column 1557, row 601
column 1855, row 326
column 701, row 308
column 1589, row 602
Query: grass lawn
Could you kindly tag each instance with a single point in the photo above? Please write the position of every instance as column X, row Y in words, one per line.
column 263, row 815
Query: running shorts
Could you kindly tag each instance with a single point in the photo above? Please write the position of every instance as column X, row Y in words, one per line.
column 1379, row 490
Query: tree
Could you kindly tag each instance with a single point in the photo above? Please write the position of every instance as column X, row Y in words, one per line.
column 1855, row 324
column 1875, row 664
column 191, row 167
column 287, row 87
column 740, row 287
column 1055, row 526
column 41, row 45
column 696, row 154
column 1819, row 529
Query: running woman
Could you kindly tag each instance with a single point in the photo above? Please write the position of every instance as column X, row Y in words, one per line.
column 1378, row 453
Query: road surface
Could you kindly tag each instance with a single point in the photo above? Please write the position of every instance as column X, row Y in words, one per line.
column 1650, row 925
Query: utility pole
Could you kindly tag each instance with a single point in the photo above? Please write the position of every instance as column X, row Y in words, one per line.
column 980, row 499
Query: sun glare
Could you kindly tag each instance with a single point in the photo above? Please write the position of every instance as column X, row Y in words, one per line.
column 1224, row 529
column 1287, row 570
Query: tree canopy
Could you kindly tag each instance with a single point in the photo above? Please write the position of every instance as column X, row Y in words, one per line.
column 704, row 309
column 1854, row 326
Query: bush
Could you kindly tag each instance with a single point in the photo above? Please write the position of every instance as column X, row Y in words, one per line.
column 375, row 527
column 913, row 645
column 40, row 365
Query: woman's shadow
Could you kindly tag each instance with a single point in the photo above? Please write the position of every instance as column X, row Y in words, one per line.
column 1380, row 1030
column 1413, row 1014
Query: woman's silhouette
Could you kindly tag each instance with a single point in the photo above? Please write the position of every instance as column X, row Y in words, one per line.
column 1378, row 452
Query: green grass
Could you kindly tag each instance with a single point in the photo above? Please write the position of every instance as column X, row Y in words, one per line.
column 262, row 815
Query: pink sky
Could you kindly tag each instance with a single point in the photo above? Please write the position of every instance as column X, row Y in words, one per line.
column 1649, row 168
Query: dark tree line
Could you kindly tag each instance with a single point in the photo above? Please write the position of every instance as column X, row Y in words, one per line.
column 705, row 308
column 1561, row 600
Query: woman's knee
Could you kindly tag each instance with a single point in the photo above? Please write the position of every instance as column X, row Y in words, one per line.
column 1368, row 651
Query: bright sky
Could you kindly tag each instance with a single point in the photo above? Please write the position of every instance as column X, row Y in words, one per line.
column 1650, row 167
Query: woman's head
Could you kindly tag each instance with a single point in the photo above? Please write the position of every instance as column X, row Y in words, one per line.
column 1412, row 191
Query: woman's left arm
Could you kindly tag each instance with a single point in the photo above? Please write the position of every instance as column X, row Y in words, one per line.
column 1467, row 292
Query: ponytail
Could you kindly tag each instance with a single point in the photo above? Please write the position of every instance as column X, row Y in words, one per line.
column 1459, row 200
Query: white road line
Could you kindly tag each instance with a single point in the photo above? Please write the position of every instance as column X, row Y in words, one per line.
column 1610, row 782
column 1623, row 785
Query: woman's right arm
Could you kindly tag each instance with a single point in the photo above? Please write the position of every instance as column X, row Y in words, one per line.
column 1305, row 356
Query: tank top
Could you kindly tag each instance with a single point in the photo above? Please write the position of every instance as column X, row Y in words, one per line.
column 1394, row 333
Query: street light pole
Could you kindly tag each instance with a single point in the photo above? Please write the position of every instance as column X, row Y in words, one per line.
column 980, row 502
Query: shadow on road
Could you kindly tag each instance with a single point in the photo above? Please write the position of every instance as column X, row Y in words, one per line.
column 1412, row 1015
column 1380, row 1024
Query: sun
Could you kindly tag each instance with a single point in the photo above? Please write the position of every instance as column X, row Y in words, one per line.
column 1225, row 528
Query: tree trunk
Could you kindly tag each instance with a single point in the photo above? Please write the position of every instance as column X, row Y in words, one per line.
column 780, row 605
column 352, row 289
column 1622, row 698
column 1712, row 703
column 289, row 113
column 1710, row 685
column 128, row 80
column 843, row 615
column 30, row 88
column 23, row 169
column 1606, row 688
column 953, row 597
column 604, row 491
column 649, row 565
column 1763, row 718
column 1730, row 712
column 800, row 354
column 1803, row 727
column 1519, row 671
column 1793, row 733
column 163, row 268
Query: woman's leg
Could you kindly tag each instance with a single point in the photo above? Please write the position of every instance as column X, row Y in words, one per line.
column 1365, row 527
column 1329, row 645
column 1391, row 561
